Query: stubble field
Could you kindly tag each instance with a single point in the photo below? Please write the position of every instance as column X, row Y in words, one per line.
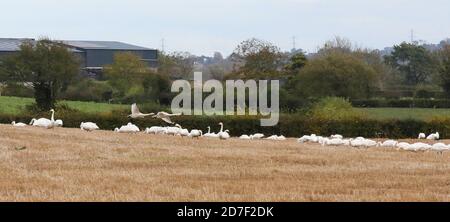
column 73, row 165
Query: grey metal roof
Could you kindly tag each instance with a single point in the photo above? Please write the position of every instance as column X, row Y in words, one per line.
column 103, row 45
column 11, row 45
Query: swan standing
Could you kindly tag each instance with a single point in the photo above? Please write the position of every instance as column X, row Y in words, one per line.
column 44, row 122
column 439, row 148
column 211, row 135
column 223, row 135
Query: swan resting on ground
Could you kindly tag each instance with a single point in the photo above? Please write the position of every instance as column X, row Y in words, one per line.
column 275, row 137
column 88, row 126
column 129, row 128
column 257, row 136
column 18, row 124
column 244, row 137
column 195, row 133
column 58, row 123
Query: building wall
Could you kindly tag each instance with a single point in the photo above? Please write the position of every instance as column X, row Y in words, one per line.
column 103, row 57
column 100, row 58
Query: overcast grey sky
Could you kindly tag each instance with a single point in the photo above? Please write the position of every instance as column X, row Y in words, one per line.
column 205, row 26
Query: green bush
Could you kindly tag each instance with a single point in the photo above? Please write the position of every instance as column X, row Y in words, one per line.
column 18, row 90
column 334, row 108
column 88, row 90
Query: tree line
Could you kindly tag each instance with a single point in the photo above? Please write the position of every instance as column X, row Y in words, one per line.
column 338, row 69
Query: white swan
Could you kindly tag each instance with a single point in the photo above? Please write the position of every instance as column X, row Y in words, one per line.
column 439, row 148
column 223, row 135
column 257, row 136
column 195, row 133
column 44, row 122
column 336, row 136
column 304, row 139
column 281, row 138
column 370, row 143
column 166, row 116
column 313, row 138
column 129, row 128
column 389, row 143
column 433, row 136
column 182, row 132
column 173, row 130
column 18, row 124
column 404, row 145
column 244, row 137
column 420, row 146
column 135, row 113
column 88, row 126
column 273, row 137
column 421, row 136
column 332, row 142
column 153, row 130
column 346, row 142
column 58, row 123
column 208, row 133
column 358, row 142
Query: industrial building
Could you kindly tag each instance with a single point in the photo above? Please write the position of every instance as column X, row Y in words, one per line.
column 94, row 55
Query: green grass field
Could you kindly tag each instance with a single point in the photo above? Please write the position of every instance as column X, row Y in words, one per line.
column 12, row 105
column 405, row 113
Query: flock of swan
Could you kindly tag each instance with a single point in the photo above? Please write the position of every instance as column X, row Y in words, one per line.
column 361, row 142
column 178, row 130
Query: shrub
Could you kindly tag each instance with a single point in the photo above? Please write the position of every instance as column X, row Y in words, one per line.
column 88, row 90
column 334, row 108
column 19, row 90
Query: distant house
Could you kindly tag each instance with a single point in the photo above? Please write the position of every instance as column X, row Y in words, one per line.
column 94, row 55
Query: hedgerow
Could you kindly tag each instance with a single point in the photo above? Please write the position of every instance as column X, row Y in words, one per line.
column 290, row 125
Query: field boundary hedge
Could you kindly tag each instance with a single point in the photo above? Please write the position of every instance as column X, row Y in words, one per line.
column 289, row 125
column 402, row 103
